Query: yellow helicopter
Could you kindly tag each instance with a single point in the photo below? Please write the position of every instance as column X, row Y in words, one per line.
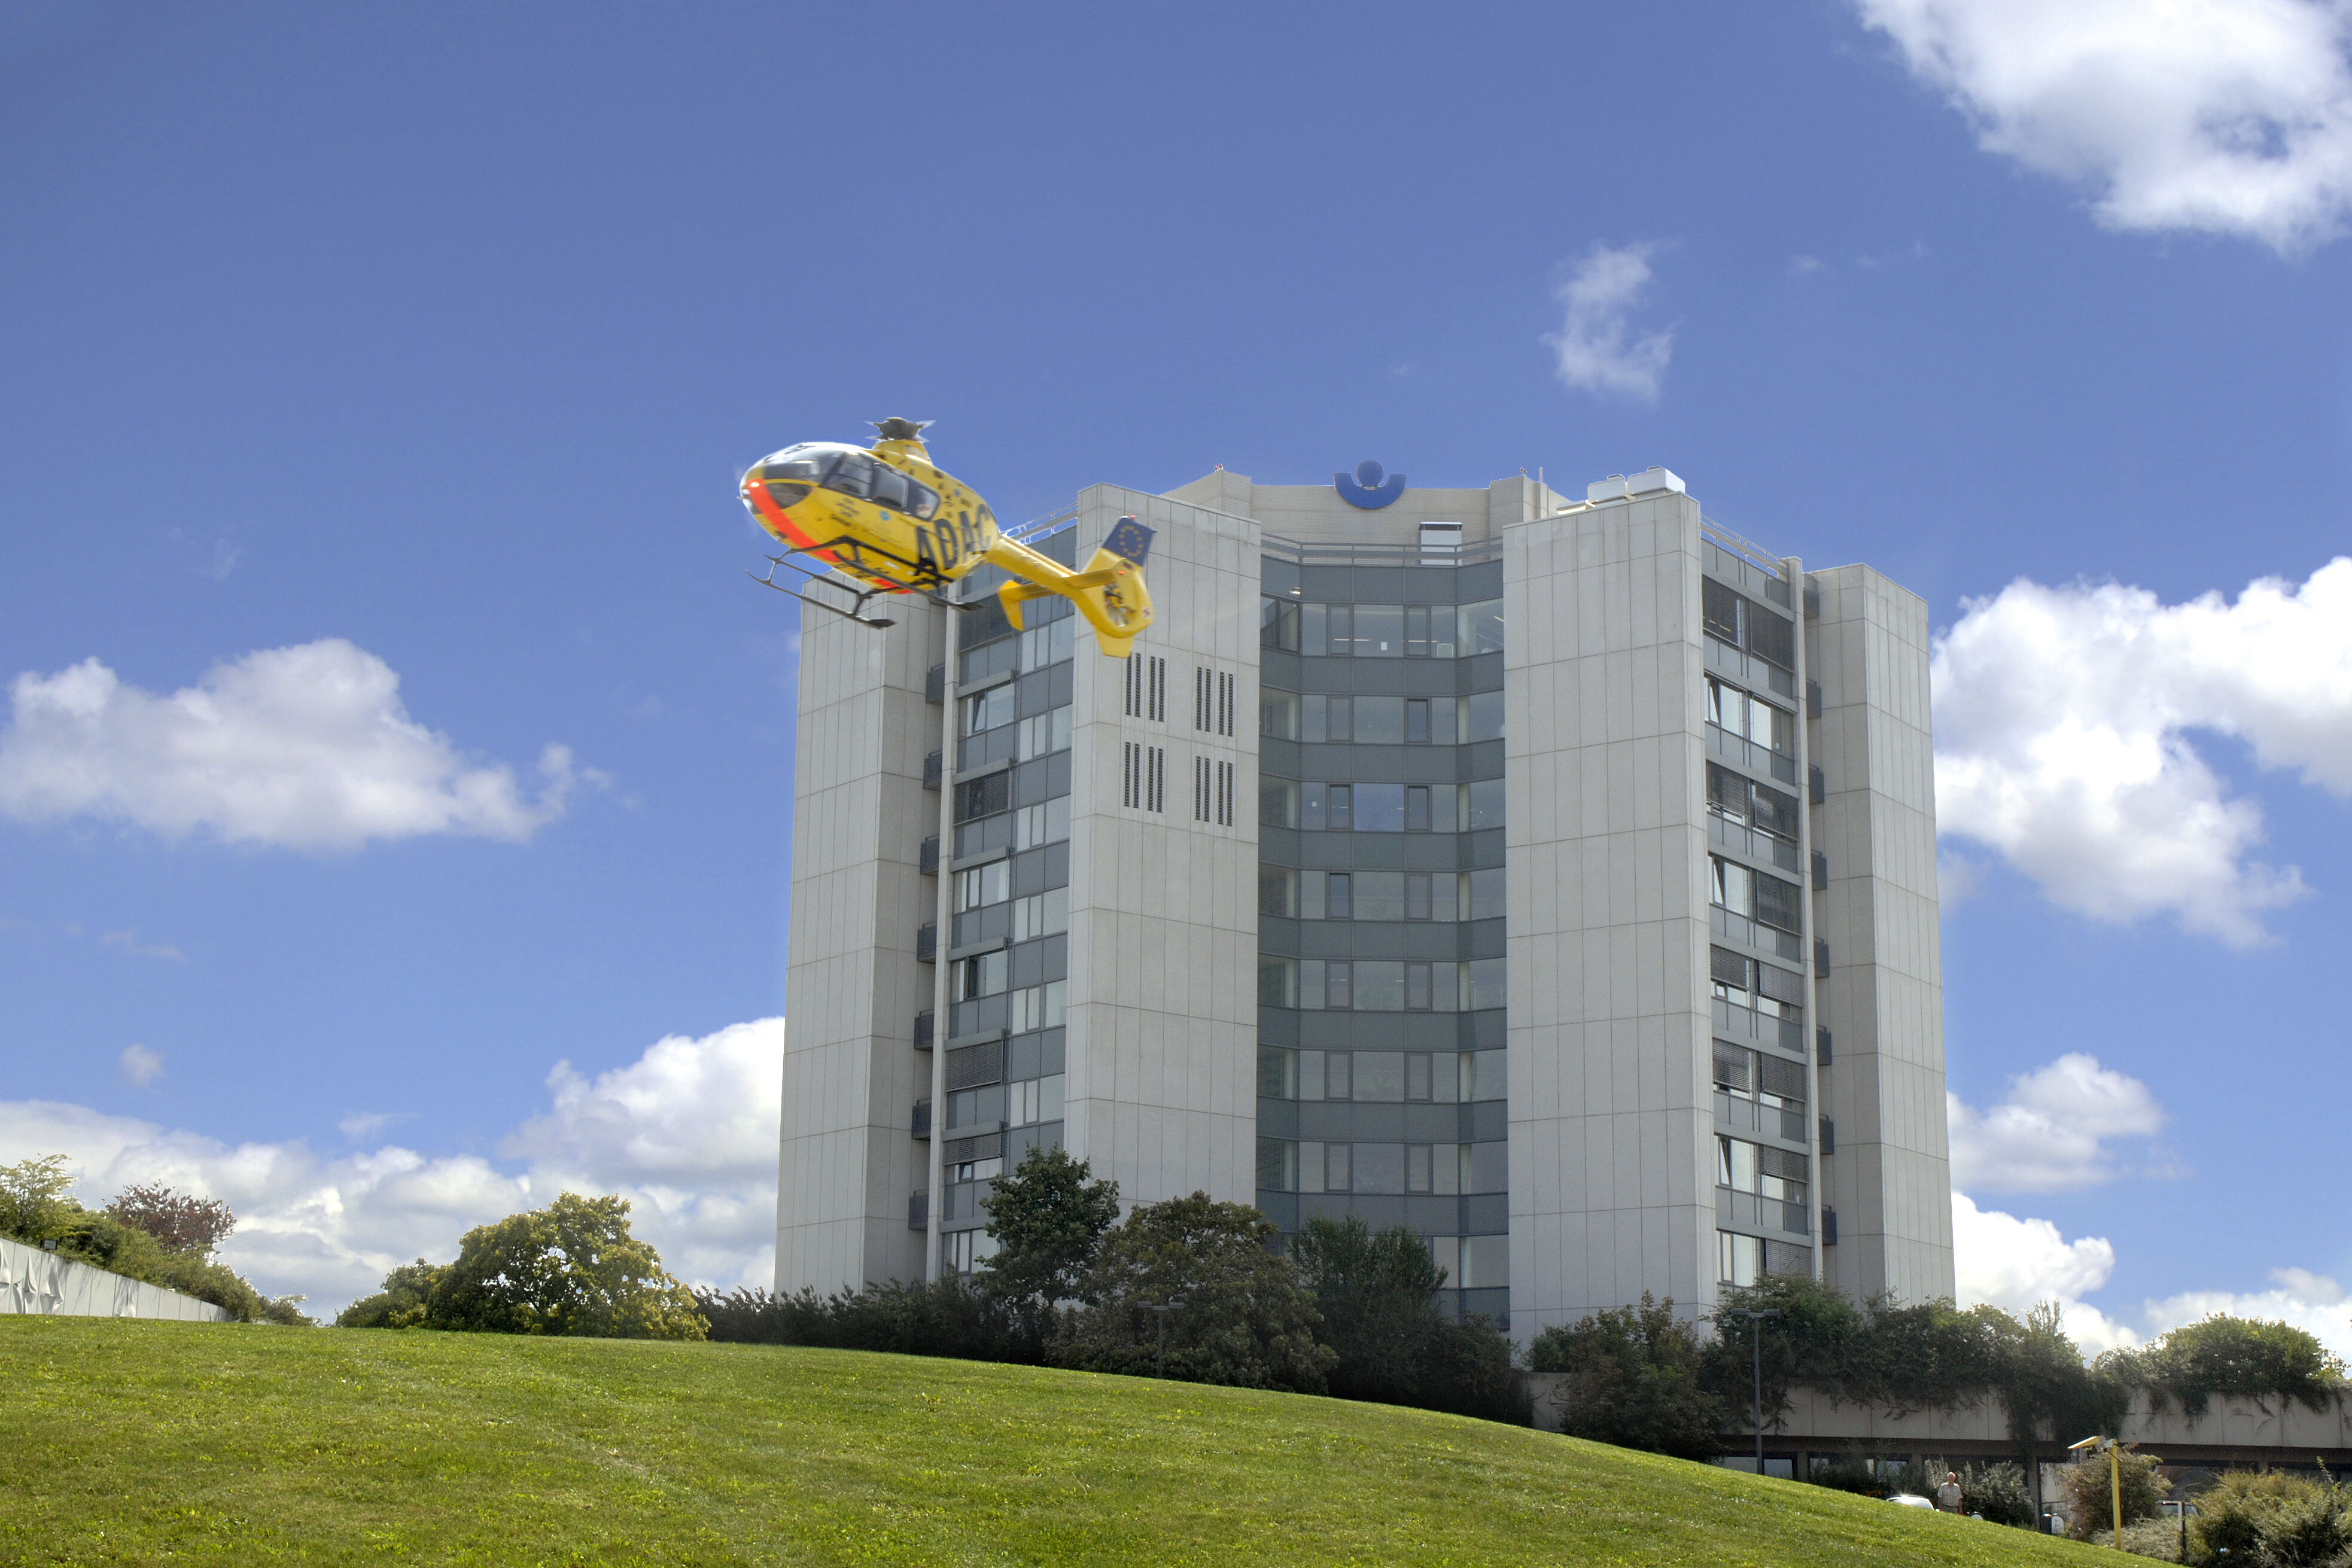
column 885, row 518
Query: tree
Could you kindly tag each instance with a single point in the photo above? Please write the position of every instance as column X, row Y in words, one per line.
column 1634, row 1380
column 1244, row 1318
column 181, row 1221
column 1048, row 1218
column 33, row 1203
column 571, row 1267
column 2089, row 1508
column 1999, row 1493
column 1377, row 1294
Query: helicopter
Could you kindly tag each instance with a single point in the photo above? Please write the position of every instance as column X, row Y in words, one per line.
column 884, row 520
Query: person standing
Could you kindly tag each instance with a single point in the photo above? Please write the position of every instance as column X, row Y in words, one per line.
column 1947, row 1496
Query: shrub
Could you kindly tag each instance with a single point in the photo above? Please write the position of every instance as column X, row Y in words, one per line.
column 401, row 1303
column 1998, row 1492
column 1634, row 1380
column 2230, row 1355
column 2270, row 1520
column 2089, row 1508
column 947, row 1317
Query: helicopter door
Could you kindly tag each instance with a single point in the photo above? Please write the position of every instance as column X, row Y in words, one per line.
column 889, row 488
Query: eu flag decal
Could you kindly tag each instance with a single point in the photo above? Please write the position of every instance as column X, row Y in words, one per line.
column 1129, row 541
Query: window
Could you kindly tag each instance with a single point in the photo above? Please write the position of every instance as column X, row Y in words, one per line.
column 1441, row 543
column 1742, row 623
column 889, row 488
column 1278, row 714
column 983, row 976
column 988, row 710
column 1742, row 800
column 984, row 885
column 1482, row 716
column 853, row 476
column 1147, row 687
column 1776, row 1174
column 1485, row 804
column 1735, row 712
column 1278, row 625
column 923, row 501
column 1481, row 628
column 1416, row 721
column 1144, row 786
column 983, row 797
column 1377, row 808
column 1277, row 892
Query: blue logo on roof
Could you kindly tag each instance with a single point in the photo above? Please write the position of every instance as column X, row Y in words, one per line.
column 1367, row 490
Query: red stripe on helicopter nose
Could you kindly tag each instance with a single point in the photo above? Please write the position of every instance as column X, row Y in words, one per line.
column 779, row 522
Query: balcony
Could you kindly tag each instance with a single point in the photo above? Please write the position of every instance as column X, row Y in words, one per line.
column 918, row 1211
column 924, row 1021
column 922, row 1119
column 928, row 862
column 935, row 684
column 1753, row 842
column 932, row 769
column 1741, row 752
column 927, row 943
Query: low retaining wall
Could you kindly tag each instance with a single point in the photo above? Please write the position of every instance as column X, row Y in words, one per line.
column 45, row 1285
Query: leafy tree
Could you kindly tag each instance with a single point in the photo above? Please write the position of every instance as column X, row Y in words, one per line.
column 33, row 1203
column 401, row 1303
column 2089, row 1508
column 1377, row 1294
column 571, row 1267
column 1245, row 1317
column 180, row 1220
column 2229, row 1356
column 1634, row 1380
column 1048, row 1218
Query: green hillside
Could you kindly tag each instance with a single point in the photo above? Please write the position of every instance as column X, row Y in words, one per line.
column 134, row 1442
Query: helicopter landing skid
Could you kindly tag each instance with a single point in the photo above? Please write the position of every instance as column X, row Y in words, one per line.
column 859, row 598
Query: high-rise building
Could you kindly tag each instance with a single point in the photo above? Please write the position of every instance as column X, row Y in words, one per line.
column 1556, row 878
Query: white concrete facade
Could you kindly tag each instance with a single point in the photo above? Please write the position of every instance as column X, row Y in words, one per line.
column 1163, row 915
column 1612, row 1119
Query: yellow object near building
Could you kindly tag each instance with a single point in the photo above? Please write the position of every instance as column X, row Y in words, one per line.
column 886, row 517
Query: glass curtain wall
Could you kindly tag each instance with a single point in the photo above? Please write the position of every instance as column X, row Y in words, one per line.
column 1381, row 977
column 1008, row 947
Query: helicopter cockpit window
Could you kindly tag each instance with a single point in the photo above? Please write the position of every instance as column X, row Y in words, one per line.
column 923, row 501
column 853, row 476
column 889, row 486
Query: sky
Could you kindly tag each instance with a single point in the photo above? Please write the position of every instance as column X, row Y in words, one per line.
column 395, row 765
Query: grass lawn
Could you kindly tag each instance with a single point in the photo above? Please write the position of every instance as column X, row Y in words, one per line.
column 142, row 1442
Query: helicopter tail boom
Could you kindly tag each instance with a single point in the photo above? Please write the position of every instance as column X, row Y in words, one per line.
column 1109, row 593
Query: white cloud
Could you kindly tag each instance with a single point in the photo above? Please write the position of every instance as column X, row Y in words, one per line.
column 2062, row 721
column 139, row 1066
column 305, row 747
column 129, row 942
column 1596, row 345
column 2016, row 1264
column 2051, row 1132
column 688, row 1133
column 2230, row 117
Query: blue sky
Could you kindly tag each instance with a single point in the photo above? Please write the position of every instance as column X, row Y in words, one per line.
column 430, row 344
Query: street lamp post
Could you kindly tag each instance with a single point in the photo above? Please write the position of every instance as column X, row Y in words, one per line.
column 1756, row 1331
column 1160, row 1310
column 2114, row 1477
